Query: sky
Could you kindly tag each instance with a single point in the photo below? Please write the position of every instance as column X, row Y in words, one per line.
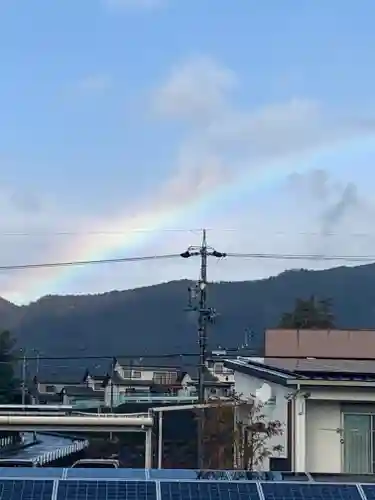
column 126, row 126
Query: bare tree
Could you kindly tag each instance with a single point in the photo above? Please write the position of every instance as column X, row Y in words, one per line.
column 239, row 434
column 253, row 435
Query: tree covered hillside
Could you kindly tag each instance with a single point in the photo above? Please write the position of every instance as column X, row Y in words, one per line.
column 152, row 319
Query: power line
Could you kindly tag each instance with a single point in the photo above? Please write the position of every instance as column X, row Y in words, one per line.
column 87, row 262
column 106, row 357
column 313, row 257
column 268, row 256
column 180, row 230
column 97, row 233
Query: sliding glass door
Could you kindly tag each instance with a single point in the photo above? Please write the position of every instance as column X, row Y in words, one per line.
column 358, row 443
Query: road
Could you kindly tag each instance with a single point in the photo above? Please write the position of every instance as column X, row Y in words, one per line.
column 48, row 446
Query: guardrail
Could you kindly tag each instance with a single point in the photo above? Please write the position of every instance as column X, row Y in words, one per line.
column 122, row 399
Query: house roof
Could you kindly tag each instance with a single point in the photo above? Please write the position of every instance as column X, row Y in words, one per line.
column 117, row 380
column 80, row 390
column 149, row 364
column 60, row 376
column 291, row 370
column 96, row 377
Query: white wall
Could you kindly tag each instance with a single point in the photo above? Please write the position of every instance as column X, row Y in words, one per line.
column 323, row 446
column 246, row 386
column 323, row 426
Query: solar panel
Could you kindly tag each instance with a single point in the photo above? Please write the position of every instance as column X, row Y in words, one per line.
column 31, row 473
column 369, row 491
column 25, row 490
column 106, row 490
column 304, row 491
column 209, row 490
column 77, row 473
column 173, row 474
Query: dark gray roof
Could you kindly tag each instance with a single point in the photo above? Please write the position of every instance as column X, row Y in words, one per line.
column 59, row 377
column 153, row 363
column 117, row 380
column 81, row 390
column 96, row 377
column 290, row 370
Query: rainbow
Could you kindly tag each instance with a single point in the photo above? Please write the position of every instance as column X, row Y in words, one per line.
column 176, row 198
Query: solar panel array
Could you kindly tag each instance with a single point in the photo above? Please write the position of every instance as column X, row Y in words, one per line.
column 141, row 484
column 18, row 489
column 106, row 490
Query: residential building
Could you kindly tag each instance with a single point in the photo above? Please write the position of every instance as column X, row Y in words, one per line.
column 327, row 409
column 82, row 396
column 127, row 381
column 65, row 388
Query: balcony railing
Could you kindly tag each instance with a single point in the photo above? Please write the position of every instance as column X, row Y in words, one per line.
column 150, row 398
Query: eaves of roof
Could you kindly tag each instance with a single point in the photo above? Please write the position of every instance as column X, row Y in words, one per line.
column 288, row 377
column 254, row 369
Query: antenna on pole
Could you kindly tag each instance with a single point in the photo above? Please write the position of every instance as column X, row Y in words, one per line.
column 197, row 301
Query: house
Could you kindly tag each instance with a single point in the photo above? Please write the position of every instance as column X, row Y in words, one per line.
column 95, row 380
column 131, row 380
column 82, row 396
column 214, row 387
column 215, row 365
column 47, row 389
column 327, row 408
column 53, row 383
column 65, row 388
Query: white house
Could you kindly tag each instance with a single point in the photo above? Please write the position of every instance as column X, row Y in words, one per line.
column 327, row 407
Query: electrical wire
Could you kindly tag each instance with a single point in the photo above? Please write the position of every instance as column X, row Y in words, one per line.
column 311, row 257
column 87, row 262
column 104, row 357
column 182, row 355
column 179, row 230
column 268, row 256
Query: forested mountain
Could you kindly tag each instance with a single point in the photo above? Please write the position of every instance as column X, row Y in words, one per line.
column 153, row 320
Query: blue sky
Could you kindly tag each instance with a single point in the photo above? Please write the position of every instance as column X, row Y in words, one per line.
column 107, row 105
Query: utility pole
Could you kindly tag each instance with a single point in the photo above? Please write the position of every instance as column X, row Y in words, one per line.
column 206, row 315
column 24, row 380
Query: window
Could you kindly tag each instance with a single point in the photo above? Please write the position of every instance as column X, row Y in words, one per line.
column 136, row 374
column 165, row 378
column 50, row 388
column 98, row 386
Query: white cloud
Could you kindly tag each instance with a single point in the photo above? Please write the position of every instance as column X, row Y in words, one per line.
column 224, row 143
column 196, row 90
column 200, row 91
